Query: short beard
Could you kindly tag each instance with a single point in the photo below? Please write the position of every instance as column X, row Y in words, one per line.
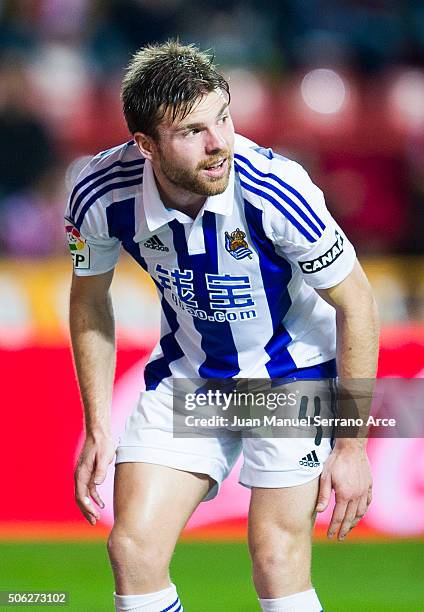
column 192, row 181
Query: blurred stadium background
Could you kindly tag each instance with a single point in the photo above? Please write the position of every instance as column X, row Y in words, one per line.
column 336, row 85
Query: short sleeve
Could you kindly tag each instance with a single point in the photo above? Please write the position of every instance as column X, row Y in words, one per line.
column 93, row 251
column 303, row 230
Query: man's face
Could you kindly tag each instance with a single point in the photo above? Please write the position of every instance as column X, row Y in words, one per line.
column 196, row 153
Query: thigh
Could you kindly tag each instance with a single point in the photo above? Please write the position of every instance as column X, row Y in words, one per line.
column 156, row 499
column 284, row 482
column 287, row 509
column 280, row 538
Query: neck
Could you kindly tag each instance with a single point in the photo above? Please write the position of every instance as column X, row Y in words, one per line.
column 176, row 197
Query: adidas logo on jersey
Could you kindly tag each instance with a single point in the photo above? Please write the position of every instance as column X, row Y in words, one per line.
column 310, row 460
column 155, row 243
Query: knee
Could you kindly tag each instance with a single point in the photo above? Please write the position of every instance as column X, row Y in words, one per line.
column 268, row 555
column 281, row 553
column 137, row 554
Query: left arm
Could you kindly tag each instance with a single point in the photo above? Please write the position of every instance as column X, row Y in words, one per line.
column 347, row 469
column 314, row 243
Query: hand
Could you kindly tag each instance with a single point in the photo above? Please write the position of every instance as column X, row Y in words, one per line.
column 348, row 471
column 96, row 455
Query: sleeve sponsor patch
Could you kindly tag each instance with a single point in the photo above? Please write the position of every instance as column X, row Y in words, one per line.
column 325, row 260
column 80, row 250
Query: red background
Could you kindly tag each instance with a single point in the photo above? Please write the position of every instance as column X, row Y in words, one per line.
column 42, row 422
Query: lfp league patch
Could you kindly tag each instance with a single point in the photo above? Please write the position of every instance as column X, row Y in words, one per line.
column 80, row 250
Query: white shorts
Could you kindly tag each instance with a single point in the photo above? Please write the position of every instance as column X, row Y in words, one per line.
column 268, row 462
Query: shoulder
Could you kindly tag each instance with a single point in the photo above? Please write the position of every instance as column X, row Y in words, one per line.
column 259, row 163
column 283, row 190
column 115, row 170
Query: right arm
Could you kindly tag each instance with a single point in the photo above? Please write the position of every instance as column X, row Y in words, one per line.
column 93, row 344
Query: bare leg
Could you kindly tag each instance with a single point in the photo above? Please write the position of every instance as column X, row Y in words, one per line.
column 280, row 530
column 152, row 503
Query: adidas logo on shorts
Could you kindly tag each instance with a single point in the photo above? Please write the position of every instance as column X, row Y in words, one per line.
column 310, row 460
column 155, row 243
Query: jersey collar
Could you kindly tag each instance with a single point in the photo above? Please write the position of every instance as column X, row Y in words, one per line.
column 157, row 214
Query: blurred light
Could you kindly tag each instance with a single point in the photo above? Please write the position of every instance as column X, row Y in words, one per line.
column 59, row 73
column 323, row 91
column 74, row 169
column 15, row 315
column 248, row 95
column 407, row 97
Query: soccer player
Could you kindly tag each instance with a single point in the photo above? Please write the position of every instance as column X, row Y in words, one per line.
column 255, row 280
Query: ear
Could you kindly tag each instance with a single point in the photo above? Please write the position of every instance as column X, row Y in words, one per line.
column 145, row 144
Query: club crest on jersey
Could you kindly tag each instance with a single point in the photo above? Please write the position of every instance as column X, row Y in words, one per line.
column 236, row 244
column 80, row 250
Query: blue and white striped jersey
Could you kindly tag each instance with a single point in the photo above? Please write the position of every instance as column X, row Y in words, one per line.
column 236, row 284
